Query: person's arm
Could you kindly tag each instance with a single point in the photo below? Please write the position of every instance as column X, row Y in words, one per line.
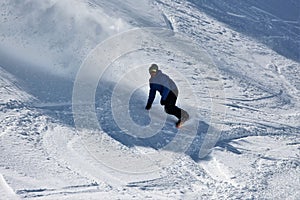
column 151, row 97
column 165, row 93
column 166, row 88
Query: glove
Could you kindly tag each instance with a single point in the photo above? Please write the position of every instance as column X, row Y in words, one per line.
column 163, row 102
column 148, row 106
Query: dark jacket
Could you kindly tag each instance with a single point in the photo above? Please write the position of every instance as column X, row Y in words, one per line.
column 163, row 84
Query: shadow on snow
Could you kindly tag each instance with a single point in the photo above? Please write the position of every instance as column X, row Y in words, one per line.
column 274, row 23
column 141, row 117
column 54, row 95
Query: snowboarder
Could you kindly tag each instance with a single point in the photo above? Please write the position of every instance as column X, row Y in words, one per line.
column 169, row 92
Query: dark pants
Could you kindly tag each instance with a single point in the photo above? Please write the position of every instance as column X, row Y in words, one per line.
column 170, row 106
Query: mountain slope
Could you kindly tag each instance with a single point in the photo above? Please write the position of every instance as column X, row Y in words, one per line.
column 234, row 87
column 273, row 23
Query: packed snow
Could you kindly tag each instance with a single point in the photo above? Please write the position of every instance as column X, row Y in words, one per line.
column 74, row 84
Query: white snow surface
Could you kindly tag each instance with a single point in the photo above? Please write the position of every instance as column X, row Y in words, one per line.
column 234, row 84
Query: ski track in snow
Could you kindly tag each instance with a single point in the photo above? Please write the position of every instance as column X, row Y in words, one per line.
column 6, row 191
column 43, row 156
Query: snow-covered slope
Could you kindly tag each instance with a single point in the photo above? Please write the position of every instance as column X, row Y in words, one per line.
column 275, row 23
column 74, row 83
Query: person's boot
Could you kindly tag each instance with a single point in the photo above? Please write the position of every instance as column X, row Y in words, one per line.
column 184, row 118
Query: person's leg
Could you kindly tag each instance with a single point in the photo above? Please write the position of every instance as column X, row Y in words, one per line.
column 171, row 107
